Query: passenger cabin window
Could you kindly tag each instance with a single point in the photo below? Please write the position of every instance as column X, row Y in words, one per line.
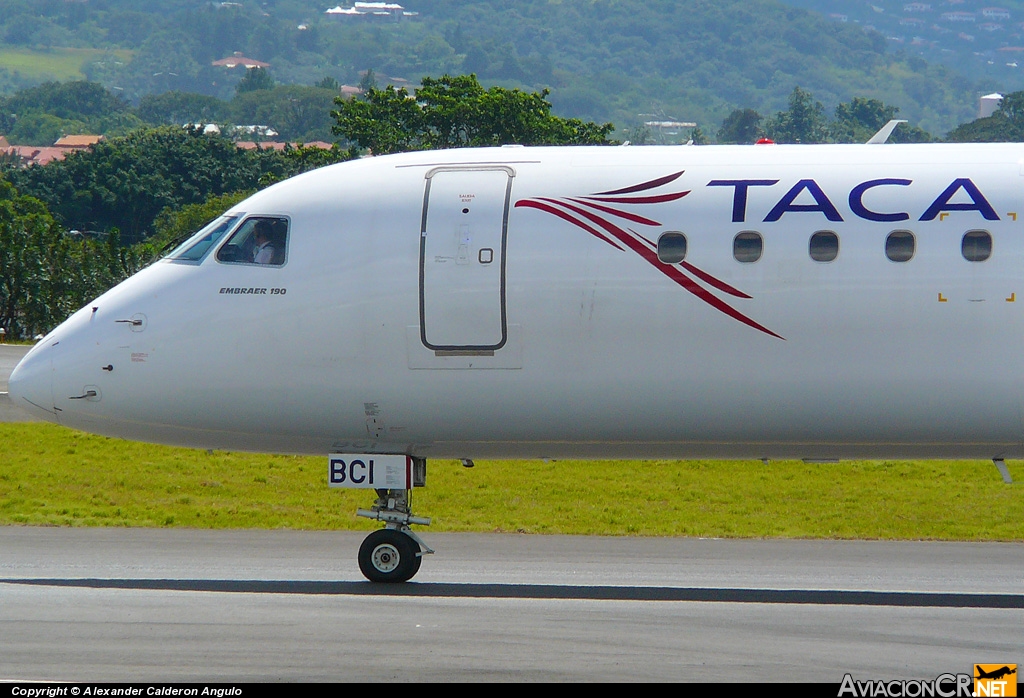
column 900, row 246
column 976, row 245
column 196, row 247
column 824, row 246
column 747, row 247
column 672, row 247
column 259, row 240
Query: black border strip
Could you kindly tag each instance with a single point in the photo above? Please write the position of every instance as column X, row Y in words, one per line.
column 828, row 597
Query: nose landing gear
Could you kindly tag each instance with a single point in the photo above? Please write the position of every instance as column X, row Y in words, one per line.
column 394, row 553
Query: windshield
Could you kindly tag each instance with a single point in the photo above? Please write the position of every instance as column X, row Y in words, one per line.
column 196, row 247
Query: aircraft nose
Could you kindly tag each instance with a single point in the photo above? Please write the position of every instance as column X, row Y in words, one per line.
column 31, row 384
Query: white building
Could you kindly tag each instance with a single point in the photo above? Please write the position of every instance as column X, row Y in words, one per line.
column 988, row 104
column 371, row 9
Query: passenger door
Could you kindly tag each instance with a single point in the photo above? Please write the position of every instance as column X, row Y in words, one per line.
column 462, row 258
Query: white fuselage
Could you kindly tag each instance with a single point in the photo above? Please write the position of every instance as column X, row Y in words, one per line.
column 509, row 302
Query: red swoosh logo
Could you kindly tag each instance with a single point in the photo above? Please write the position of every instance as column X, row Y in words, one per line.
column 586, row 215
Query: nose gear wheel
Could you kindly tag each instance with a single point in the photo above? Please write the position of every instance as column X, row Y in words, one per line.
column 389, row 556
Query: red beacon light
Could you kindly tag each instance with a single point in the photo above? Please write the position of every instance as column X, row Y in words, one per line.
column 764, row 141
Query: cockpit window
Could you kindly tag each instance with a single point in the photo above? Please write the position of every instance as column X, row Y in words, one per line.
column 196, row 247
column 259, row 240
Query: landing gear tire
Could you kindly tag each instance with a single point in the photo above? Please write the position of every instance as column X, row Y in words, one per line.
column 389, row 556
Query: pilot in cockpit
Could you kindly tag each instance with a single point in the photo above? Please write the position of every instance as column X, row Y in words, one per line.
column 265, row 251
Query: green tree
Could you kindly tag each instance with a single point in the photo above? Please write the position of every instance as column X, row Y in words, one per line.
column 993, row 129
column 697, row 137
column 639, row 135
column 905, row 133
column 68, row 100
column 255, row 79
column 181, row 108
column 368, row 81
column 456, row 112
column 128, row 28
column 1006, row 125
column 37, row 128
column 803, row 122
column 42, row 114
column 167, row 61
column 383, row 121
column 328, row 83
column 1012, row 107
column 301, row 159
column 125, row 182
column 740, row 126
column 117, row 124
column 46, row 274
column 175, row 224
column 861, row 118
column 296, row 112
column 27, row 231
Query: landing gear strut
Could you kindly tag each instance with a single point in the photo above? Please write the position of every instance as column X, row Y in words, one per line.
column 394, row 553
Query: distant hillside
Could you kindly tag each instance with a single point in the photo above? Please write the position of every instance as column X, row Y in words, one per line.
column 621, row 60
column 694, row 60
column 981, row 39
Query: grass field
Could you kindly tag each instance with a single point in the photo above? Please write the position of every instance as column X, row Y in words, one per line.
column 54, row 64
column 56, row 477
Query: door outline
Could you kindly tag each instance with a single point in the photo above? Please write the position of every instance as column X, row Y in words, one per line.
column 465, row 348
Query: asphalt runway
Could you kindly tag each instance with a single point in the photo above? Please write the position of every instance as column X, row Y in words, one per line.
column 162, row 605
column 148, row 605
